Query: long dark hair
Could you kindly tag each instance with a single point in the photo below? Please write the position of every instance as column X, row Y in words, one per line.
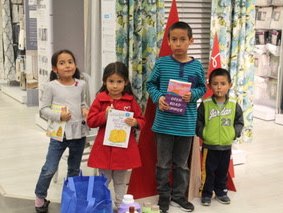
column 54, row 61
column 120, row 69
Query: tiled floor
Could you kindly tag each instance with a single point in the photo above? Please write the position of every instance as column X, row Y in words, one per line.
column 23, row 146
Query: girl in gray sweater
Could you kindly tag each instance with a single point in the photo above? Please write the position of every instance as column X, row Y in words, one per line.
column 66, row 92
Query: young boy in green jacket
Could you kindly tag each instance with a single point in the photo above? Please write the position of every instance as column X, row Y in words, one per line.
column 219, row 123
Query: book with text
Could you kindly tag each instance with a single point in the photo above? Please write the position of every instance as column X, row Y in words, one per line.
column 56, row 129
column 176, row 89
column 117, row 132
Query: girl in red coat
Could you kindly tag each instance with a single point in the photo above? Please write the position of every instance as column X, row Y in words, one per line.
column 113, row 162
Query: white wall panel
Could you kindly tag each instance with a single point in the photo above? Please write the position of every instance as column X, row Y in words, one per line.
column 197, row 15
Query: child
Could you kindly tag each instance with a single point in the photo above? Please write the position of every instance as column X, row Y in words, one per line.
column 174, row 133
column 113, row 162
column 64, row 89
column 220, row 121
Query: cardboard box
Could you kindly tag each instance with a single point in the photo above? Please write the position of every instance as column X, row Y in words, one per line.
column 277, row 2
column 31, row 84
column 261, row 37
column 263, row 2
column 263, row 17
column 277, row 18
column 275, row 37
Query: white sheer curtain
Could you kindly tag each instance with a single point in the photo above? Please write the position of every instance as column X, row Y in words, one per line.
column 1, row 46
column 93, row 45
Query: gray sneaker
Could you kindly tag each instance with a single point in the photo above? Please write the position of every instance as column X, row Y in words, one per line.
column 183, row 204
column 206, row 201
column 223, row 199
column 163, row 203
column 44, row 208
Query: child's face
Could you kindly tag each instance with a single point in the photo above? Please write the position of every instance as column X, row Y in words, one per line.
column 220, row 86
column 115, row 85
column 65, row 67
column 179, row 42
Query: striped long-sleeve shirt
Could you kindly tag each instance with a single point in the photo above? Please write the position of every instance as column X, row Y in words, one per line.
column 167, row 68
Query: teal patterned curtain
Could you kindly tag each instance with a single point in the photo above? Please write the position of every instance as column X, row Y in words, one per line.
column 138, row 38
column 233, row 21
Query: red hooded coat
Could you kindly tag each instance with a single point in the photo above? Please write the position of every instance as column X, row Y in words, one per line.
column 108, row 157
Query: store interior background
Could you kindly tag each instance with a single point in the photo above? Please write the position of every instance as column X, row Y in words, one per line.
column 258, row 174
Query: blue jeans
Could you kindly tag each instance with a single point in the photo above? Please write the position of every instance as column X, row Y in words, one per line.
column 55, row 152
column 172, row 154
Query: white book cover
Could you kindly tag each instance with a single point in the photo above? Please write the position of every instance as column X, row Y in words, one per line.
column 117, row 132
column 56, row 129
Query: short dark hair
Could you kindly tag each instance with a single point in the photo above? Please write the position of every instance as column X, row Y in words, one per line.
column 181, row 25
column 219, row 72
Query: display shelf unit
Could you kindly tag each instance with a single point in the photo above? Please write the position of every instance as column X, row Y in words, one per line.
column 268, row 56
column 15, row 92
column 279, row 103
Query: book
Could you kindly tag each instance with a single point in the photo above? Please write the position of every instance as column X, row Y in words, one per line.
column 117, row 132
column 176, row 89
column 56, row 129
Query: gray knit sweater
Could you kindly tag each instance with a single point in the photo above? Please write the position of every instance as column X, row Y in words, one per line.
column 74, row 98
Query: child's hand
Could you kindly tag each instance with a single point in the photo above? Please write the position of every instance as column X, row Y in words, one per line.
column 85, row 112
column 65, row 114
column 131, row 122
column 162, row 104
column 107, row 109
column 187, row 97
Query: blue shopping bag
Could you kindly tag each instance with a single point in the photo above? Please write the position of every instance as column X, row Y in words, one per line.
column 86, row 194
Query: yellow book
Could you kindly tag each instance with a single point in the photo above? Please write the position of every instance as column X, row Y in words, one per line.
column 56, row 129
column 117, row 132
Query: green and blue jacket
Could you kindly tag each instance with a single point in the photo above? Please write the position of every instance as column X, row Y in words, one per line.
column 218, row 125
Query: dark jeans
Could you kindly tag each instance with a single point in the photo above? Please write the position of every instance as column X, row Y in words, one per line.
column 215, row 165
column 172, row 155
column 55, row 152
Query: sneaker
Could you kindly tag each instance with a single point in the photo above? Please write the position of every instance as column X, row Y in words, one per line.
column 163, row 203
column 223, row 199
column 44, row 208
column 183, row 204
column 206, row 201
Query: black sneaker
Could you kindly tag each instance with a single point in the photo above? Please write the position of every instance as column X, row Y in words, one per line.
column 206, row 201
column 44, row 208
column 163, row 203
column 223, row 199
column 183, row 204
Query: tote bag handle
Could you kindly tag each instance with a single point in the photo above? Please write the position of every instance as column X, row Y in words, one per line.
column 90, row 199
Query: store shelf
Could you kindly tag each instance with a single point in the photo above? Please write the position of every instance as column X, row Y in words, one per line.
column 3, row 82
column 15, row 92
column 264, row 112
column 279, row 119
column 268, row 56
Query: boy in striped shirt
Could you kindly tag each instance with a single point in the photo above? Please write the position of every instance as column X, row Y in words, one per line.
column 175, row 132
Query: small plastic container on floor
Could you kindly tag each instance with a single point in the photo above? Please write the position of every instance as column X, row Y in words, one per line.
column 127, row 202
